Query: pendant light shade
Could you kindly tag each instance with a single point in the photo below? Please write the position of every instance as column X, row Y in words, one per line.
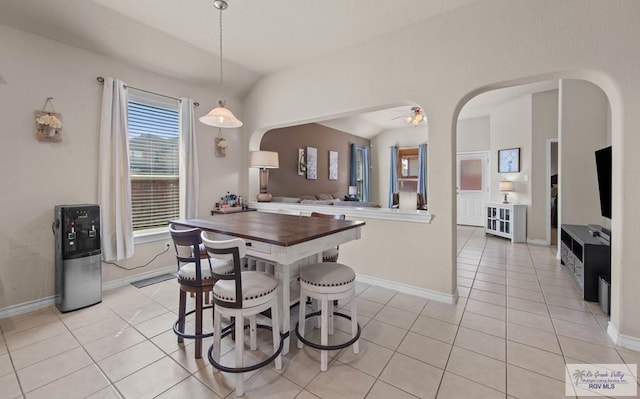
column 221, row 117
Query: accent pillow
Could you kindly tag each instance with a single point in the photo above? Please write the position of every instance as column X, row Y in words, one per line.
column 317, row 202
column 292, row 200
column 323, row 196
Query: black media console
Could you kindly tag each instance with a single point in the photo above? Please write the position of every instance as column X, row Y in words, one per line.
column 586, row 253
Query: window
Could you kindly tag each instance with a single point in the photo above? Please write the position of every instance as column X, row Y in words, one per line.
column 154, row 140
column 408, row 163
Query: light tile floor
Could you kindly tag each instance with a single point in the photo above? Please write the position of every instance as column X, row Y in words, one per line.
column 518, row 321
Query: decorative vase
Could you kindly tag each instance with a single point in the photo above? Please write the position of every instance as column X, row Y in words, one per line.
column 50, row 131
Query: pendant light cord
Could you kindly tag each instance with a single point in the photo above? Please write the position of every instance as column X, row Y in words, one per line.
column 221, row 73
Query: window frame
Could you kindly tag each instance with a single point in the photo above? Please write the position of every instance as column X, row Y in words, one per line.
column 147, row 98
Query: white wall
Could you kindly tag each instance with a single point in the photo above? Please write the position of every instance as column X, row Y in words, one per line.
column 473, row 134
column 380, row 157
column 511, row 128
column 574, row 41
column 38, row 175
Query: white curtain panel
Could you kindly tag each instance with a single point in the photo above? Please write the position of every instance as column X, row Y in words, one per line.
column 114, row 186
column 188, row 159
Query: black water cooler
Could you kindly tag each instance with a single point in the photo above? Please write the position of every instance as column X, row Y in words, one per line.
column 78, row 256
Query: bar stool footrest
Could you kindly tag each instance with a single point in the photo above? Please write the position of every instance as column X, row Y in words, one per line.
column 327, row 347
column 245, row 369
column 190, row 336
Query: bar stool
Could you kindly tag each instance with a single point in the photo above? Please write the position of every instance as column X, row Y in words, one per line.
column 327, row 282
column 194, row 276
column 329, row 255
column 238, row 295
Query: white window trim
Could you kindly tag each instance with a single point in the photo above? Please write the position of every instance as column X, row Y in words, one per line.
column 151, row 235
column 161, row 233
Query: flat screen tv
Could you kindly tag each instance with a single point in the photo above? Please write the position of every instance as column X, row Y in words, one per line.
column 603, row 167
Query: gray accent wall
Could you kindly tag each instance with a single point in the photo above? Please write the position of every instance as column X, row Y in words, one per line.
column 285, row 180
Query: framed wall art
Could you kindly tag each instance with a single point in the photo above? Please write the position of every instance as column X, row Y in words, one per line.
column 333, row 165
column 312, row 163
column 509, row 160
column 302, row 162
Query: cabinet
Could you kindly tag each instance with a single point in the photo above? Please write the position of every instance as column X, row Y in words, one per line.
column 586, row 257
column 506, row 220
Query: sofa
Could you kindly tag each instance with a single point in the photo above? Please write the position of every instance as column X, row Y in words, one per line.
column 335, row 199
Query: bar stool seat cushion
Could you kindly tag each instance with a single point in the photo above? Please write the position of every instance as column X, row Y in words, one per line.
column 327, row 274
column 257, row 288
column 220, row 266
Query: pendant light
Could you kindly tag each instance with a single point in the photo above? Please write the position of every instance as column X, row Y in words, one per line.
column 220, row 116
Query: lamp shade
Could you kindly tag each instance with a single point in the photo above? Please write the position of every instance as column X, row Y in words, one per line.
column 506, row 185
column 221, row 117
column 264, row 159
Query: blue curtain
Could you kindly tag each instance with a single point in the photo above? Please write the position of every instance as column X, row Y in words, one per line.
column 422, row 170
column 393, row 173
column 352, row 171
column 366, row 167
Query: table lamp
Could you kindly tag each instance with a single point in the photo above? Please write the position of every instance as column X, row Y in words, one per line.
column 506, row 186
column 264, row 160
column 353, row 193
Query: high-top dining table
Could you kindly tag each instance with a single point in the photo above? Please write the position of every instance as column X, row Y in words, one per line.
column 284, row 240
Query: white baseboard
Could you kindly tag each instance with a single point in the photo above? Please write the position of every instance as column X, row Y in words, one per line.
column 26, row 307
column 409, row 289
column 537, row 241
column 621, row 340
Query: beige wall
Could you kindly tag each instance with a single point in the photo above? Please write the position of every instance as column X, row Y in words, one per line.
column 473, row 134
column 574, row 42
column 544, row 111
column 595, row 41
column 583, row 130
column 38, row 175
column 285, row 180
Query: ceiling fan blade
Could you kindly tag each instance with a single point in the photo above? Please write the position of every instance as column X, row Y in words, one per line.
column 398, row 117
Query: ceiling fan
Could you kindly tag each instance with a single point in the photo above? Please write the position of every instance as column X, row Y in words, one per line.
column 415, row 117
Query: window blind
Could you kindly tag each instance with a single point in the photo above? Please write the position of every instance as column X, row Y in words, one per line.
column 154, row 133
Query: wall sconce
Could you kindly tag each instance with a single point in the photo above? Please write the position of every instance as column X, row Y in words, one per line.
column 506, row 186
column 264, row 160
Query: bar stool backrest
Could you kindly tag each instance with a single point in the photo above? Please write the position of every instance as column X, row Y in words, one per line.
column 235, row 249
column 187, row 243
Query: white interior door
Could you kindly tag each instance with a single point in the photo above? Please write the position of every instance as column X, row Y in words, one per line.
column 472, row 187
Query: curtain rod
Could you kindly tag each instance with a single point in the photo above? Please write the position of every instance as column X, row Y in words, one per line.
column 406, row 146
column 100, row 80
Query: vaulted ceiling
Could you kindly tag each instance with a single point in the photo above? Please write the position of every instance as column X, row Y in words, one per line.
column 180, row 38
